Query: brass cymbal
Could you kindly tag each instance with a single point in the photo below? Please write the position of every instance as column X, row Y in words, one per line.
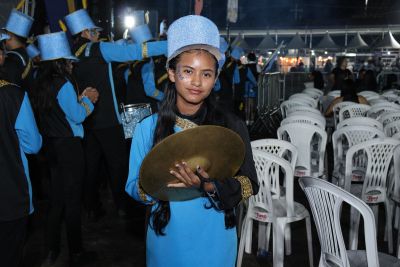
column 218, row 150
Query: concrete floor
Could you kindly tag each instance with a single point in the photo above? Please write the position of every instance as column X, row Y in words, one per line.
column 120, row 242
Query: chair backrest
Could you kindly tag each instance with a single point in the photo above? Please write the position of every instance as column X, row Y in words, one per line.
column 352, row 135
column 368, row 93
column 335, row 93
column 301, row 135
column 326, row 202
column 379, row 109
column 389, row 117
column 296, row 109
column 379, row 153
column 394, row 189
column 285, row 105
column 362, row 121
column 267, row 167
column 280, row 148
column 305, row 98
column 392, row 128
column 356, row 110
column 379, row 100
column 313, row 91
column 338, row 107
column 304, row 119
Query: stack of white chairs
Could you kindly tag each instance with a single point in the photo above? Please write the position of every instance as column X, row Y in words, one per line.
column 344, row 138
column 379, row 154
column 305, row 98
column 389, row 117
column 313, row 92
column 379, row 109
column 351, row 111
column 310, row 141
column 394, row 191
column 274, row 205
column 326, row 202
column 392, row 128
column 308, row 119
column 362, row 121
column 334, row 93
column 288, row 104
column 337, row 108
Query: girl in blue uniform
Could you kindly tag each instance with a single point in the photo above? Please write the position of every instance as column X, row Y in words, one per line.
column 61, row 111
column 202, row 231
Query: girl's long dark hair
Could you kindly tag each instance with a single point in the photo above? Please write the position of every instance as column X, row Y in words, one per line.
column 165, row 126
column 43, row 96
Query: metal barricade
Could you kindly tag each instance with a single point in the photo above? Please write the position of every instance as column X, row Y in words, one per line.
column 294, row 83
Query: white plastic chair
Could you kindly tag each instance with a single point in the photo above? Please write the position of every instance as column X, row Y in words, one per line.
column 389, row 117
column 336, row 108
column 297, row 109
column 342, row 140
column 270, row 206
column 305, row 98
column 285, row 105
column 394, row 191
column 335, row 93
column 379, row 153
column 392, row 128
column 304, row 119
column 326, row 202
column 303, row 136
column 362, row 121
column 356, row 110
column 378, row 100
column 367, row 94
column 284, row 150
column 378, row 109
column 313, row 92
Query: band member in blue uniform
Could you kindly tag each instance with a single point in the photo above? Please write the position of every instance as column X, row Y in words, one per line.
column 61, row 111
column 141, row 87
column 104, row 133
column 19, row 135
column 18, row 65
column 190, row 233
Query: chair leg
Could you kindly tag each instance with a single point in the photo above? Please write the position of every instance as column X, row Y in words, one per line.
column 268, row 236
column 398, row 240
column 242, row 242
column 262, row 232
column 309, row 241
column 240, row 218
column 288, row 239
column 354, row 224
column 389, row 226
column 375, row 209
column 278, row 243
column 249, row 236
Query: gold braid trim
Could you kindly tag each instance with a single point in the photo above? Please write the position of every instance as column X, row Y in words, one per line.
column 184, row 123
column 87, row 108
column 143, row 195
column 3, row 83
column 80, row 50
column 144, row 50
column 156, row 93
column 162, row 78
column 27, row 69
column 247, row 189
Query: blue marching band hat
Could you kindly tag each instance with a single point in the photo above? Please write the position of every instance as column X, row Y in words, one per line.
column 79, row 21
column 32, row 51
column 54, row 46
column 193, row 32
column 141, row 34
column 4, row 36
column 19, row 23
column 223, row 45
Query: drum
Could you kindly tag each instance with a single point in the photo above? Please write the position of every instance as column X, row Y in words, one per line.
column 131, row 115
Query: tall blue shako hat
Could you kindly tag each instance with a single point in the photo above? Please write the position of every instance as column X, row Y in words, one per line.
column 54, row 46
column 223, row 45
column 4, row 36
column 32, row 51
column 19, row 23
column 193, row 32
column 79, row 21
column 141, row 34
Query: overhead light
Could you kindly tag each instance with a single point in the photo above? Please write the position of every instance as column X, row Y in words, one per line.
column 269, row 53
column 388, row 52
column 129, row 21
column 326, row 52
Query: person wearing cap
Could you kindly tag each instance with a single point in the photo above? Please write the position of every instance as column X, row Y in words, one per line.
column 141, row 84
column 19, row 135
column 104, row 132
column 61, row 110
column 201, row 231
column 18, row 64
